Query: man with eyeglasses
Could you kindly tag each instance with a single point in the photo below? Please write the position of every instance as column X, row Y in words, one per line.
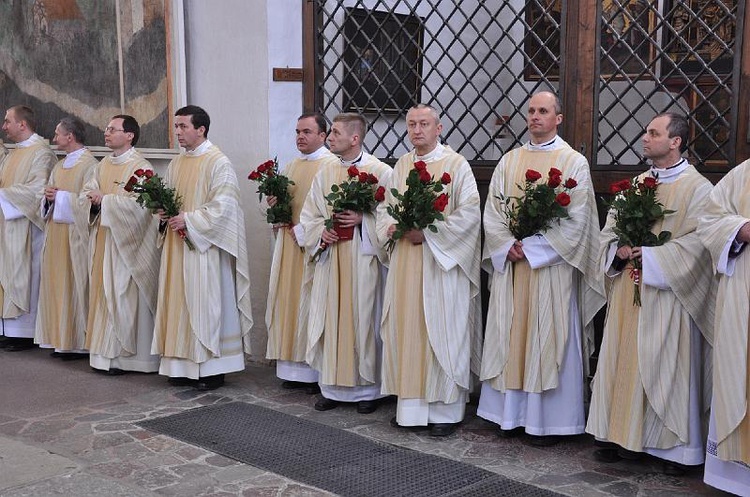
column 203, row 314
column 63, row 291
column 125, row 259
column 23, row 174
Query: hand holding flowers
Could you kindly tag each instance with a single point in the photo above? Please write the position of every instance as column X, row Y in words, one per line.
column 635, row 210
column 275, row 185
column 151, row 192
column 539, row 205
column 420, row 205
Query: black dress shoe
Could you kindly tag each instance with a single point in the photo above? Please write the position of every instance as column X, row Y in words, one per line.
column 607, row 456
column 513, row 433
column 367, row 406
column 55, row 354
column 73, row 356
column 629, row 455
column 207, row 383
column 544, row 441
column 674, row 469
column 293, row 385
column 394, row 423
column 312, row 388
column 114, row 372
column 19, row 344
column 181, row 381
column 324, row 404
column 442, row 429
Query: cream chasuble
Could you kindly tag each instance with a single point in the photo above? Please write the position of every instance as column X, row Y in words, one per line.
column 642, row 389
column 124, row 270
column 727, row 211
column 63, row 291
column 190, row 323
column 342, row 344
column 528, row 320
column 291, row 271
column 431, row 323
column 23, row 174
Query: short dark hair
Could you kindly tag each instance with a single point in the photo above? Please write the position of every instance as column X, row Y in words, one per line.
column 198, row 117
column 678, row 126
column 130, row 125
column 320, row 119
column 74, row 126
column 353, row 122
column 24, row 113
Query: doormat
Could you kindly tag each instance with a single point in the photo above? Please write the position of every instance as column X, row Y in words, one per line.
column 330, row 458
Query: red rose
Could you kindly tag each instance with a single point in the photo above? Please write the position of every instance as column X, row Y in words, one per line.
column 445, row 178
column 570, row 183
column 352, row 171
column 532, row 175
column 138, row 172
column 554, row 181
column 253, row 176
column 363, row 177
column 269, row 164
column 563, row 199
column 269, row 173
column 554, row 172
column 380, row 194
column 424, row 176
column 420, row 165
column 372, row 179
column 649, row 183
column 624, row 184
column 148, row 173
column 441, row 202
column 614, row 189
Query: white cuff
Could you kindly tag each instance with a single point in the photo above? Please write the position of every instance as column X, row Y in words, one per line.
column 726, row 263
column 500, row 256
column 299, row 234
column 9, row 210
column 63, row 212
column 444, row 260
column 540, row 253
column 652, row 274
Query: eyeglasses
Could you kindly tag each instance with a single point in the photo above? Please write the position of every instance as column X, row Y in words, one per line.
column 110, row 129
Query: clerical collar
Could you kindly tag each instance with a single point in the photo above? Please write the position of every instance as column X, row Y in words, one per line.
column 123, row 157
column 670, row 174
column 73, row 157
column 200, row 149
column 32, row 140
column 435, row 154
column 543, row 146
column 354, row 162
column 322, row 151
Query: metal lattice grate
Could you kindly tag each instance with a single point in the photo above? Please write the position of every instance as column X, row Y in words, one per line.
column 476, row 61
column 665, row 56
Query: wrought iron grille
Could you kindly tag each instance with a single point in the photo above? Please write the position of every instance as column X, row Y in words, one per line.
column 476, row 61
column 667, row 55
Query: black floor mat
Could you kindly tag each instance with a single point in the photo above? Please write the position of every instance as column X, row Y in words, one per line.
column 330, row 458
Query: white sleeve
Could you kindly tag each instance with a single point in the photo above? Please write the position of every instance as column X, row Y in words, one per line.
column 9, row 210
column 652, row 274
column 540, row 253
column 63, row 212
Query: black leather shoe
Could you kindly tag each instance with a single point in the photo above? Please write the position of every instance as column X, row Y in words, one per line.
column 19, row 344
column 442, row 429
column 629, row 455
column 180, row 381
column 607, row 456
column 55, row 354
column 544, row 441
column 312, row 388
column 207, row 383
column 293, row 385
column 73, row 356
column 367, row 406
column 513, row 433
column 674, row 469
column 114, row 372
column 324, row 404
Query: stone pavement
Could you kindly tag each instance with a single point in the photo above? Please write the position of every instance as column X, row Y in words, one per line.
column 65, row 430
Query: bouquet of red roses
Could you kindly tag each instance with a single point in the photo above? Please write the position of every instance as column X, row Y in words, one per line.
column 271, row 183
column 420, row 205
column 357, row 193
column 152, row 193
column 636, row 209
column 539, row 205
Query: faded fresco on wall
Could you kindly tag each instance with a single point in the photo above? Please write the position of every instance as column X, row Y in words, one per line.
column 61, row 57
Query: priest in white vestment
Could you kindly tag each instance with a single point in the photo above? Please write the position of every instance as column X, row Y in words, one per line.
column 724, row 228
column 203, row 315
column 431, row 323
column 291, row 277
column 343, row 334
column 23, row 174
column 648, row 390
column 545, row 291
column 124, row 259
column 63, row 291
